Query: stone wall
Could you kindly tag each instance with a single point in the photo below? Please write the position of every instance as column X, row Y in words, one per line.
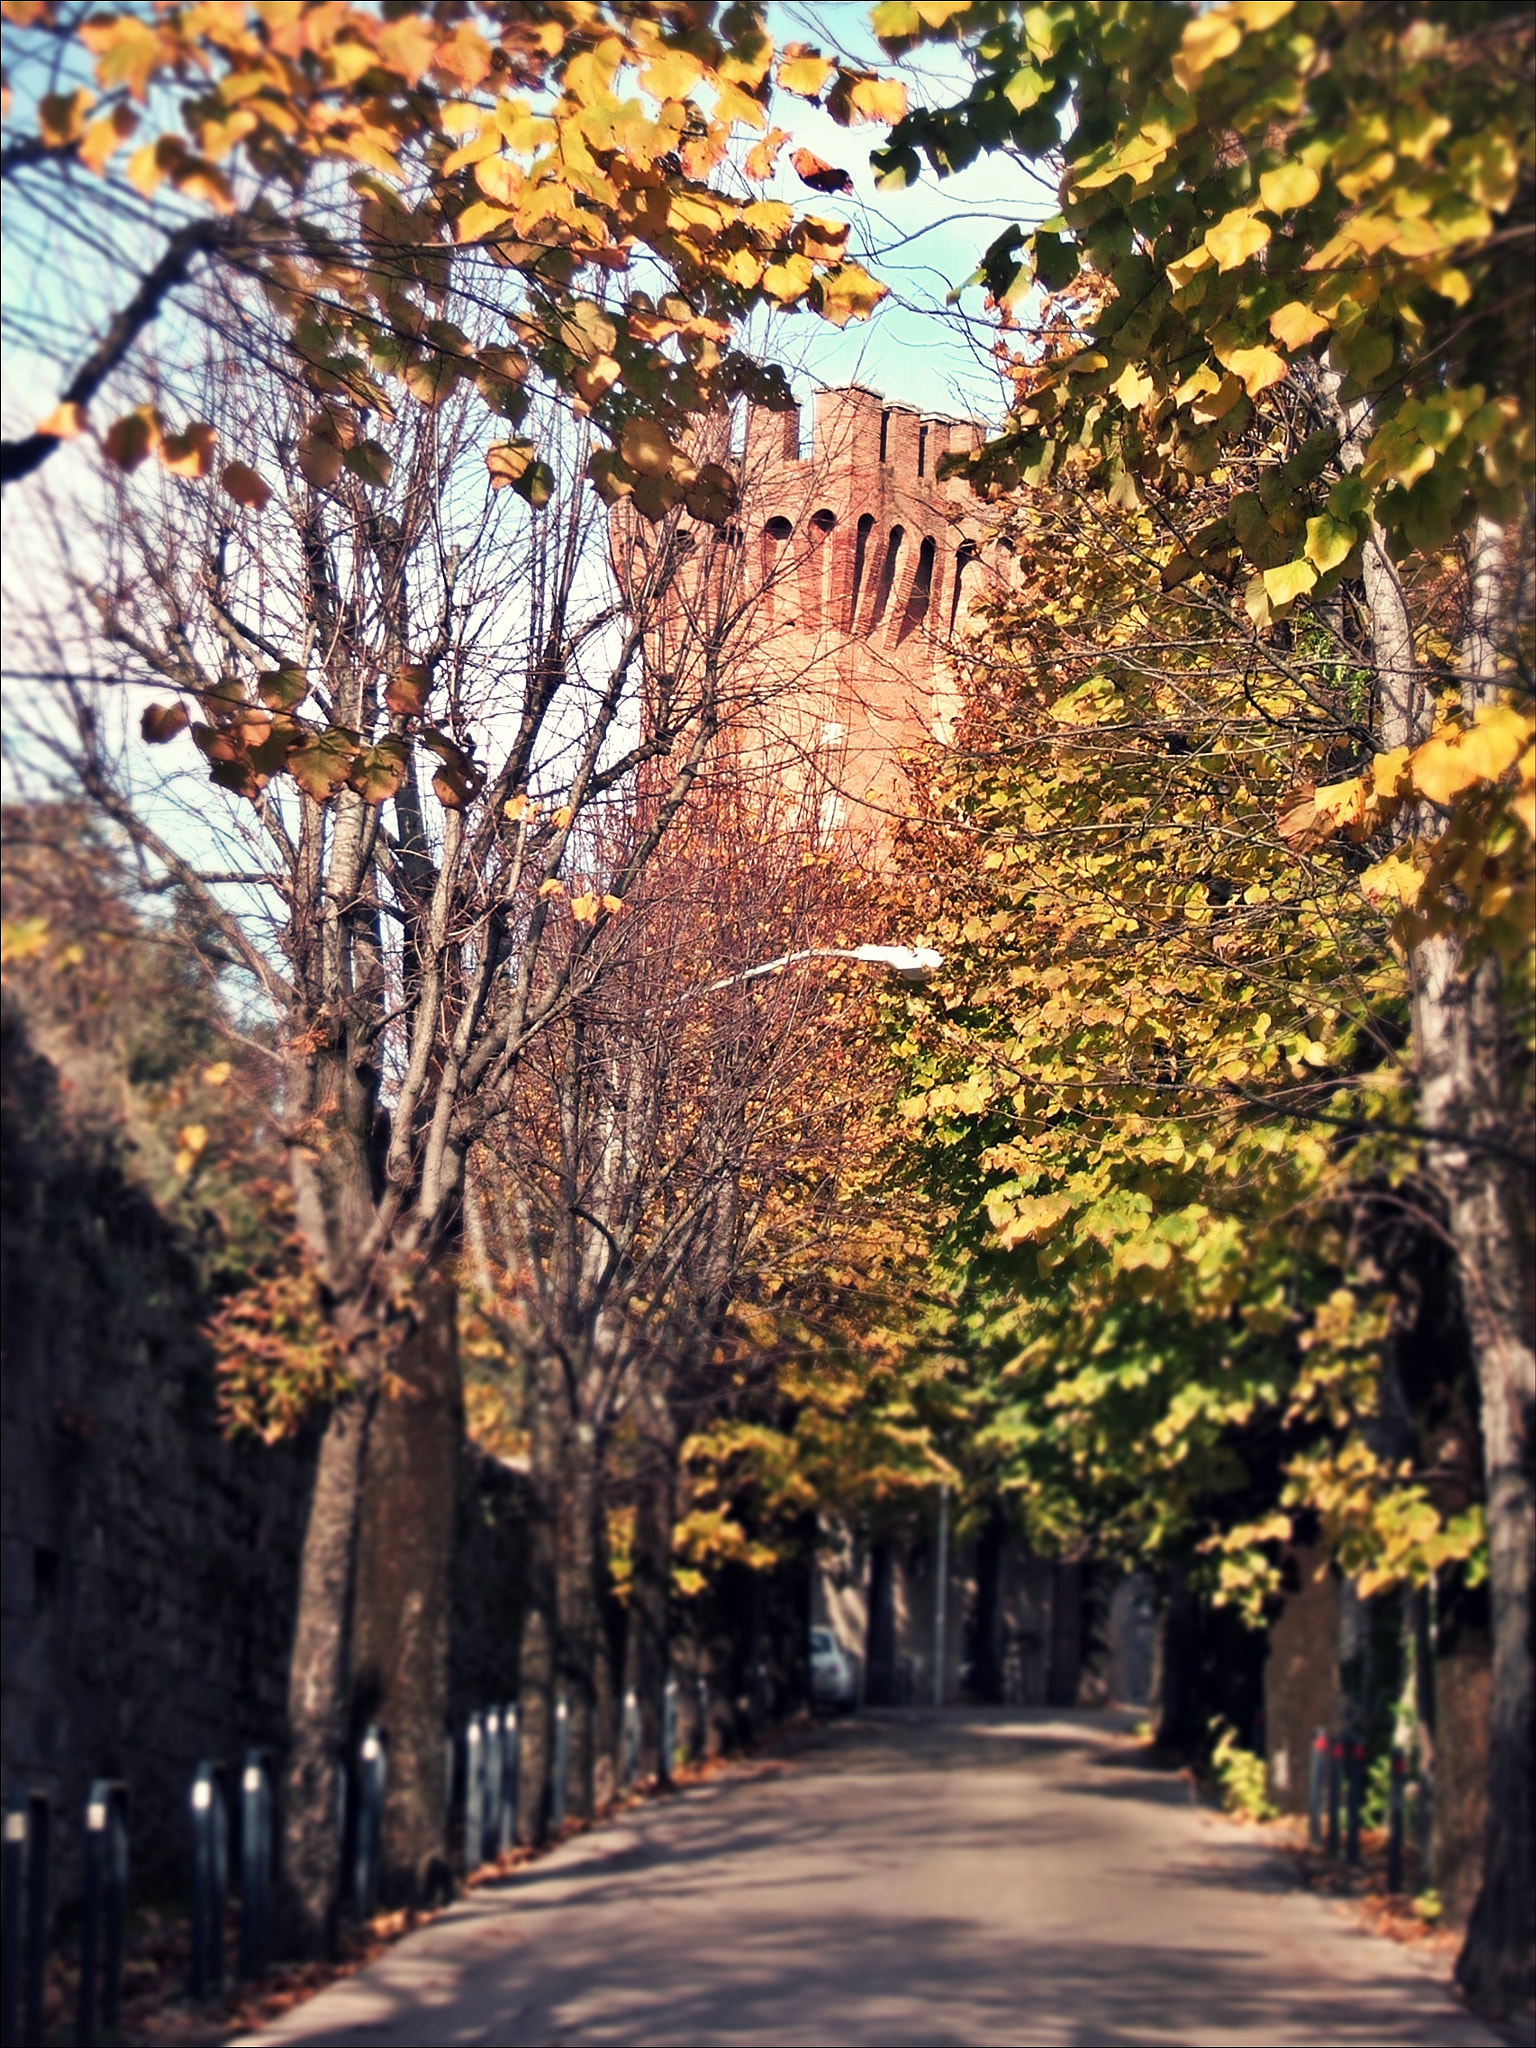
column 148, row 1564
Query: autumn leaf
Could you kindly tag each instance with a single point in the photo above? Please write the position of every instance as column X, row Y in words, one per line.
column 370, row 462
column 803, row 71
column 65, row 422
column 162, row 722
column 1236, row 237
column 128, row 440
column 322, row 762
column 320, row 452
column 282, row 689
column 379, row 770
column 189, row 453
column 245, row 486
column 821, row 176
column 406, row 692
column 762, row 158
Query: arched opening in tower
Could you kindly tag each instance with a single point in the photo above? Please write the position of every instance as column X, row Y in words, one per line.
column 775, row 535
column 965, row 560
column 813, row 568
column 887, row 575
column 922, row 590
column 861, row 535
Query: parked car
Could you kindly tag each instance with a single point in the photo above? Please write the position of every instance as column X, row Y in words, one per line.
column 834, row 1673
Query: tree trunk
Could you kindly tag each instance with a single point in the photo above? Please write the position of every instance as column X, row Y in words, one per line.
column 404, row 1589
column 317, row 1684
column 1462, row 1059
column 646, row 1646
column 578, row 1607
column 536, row 1670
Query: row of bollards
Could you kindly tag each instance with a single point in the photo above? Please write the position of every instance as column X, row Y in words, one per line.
column 220, row 1810
column 103, row 1914
column 233, row 1824
column 1336, row 1793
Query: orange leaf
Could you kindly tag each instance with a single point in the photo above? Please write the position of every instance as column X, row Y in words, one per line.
column 245, row 486
column 189, row 453
column 821, row 176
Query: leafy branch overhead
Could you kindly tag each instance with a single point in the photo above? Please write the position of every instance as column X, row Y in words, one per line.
column 1250, row 192
column 562, row 143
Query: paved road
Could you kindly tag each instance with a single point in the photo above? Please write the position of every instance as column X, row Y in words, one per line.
column 954, row 1878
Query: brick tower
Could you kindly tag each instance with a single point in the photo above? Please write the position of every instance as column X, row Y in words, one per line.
column 833, row 600
column 865, row 566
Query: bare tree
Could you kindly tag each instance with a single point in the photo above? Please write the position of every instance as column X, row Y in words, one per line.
column 649, row 1133
column 423, row 706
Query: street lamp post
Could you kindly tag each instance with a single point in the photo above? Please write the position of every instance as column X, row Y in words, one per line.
column 907, row 963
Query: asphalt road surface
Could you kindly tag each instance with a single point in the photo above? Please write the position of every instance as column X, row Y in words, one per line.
column 914, row 1878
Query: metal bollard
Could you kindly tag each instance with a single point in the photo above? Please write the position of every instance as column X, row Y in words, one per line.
column 1395, row 1788
column 372, row 1777
column 491, row 1812
column 669, row 1702
column 39, row 1842
column 255, row 1863
column 11, row 1889
column 1355, row 1800
column 1317, row 1779
column 629, row 1740
column 701, row 1719
column 210, row 1877
column 103, row 1906
column 506, row 1818
column 1335, row 1790
column 562, row 1765
column 474, row 1792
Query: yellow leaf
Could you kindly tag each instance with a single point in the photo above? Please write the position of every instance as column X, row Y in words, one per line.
column 1329, row 542
column 128, row 51
column 645, row 448
column 515, row 807
column 1206, row 40
column 499, row 179
column 879, row 99
column 189, row 453
column 105, row 137
column 1290, row 581
column 671, row 75
column 804, row 74
column 64, row 422
column 585, row 909
column 1236, row 237
column 551, row 888
column 1132, row 387
column 1258, row 367
column 1295, row 324
column 193, row 1137
column 847, row 293
column 595, row 378
column 1453, row 761
column 216, row 1075
column 408, row 47
column 507, row 461
column 479, row 220
column 1290, row 186
column 563, row 816
column 245, row 486
column 789, row 280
